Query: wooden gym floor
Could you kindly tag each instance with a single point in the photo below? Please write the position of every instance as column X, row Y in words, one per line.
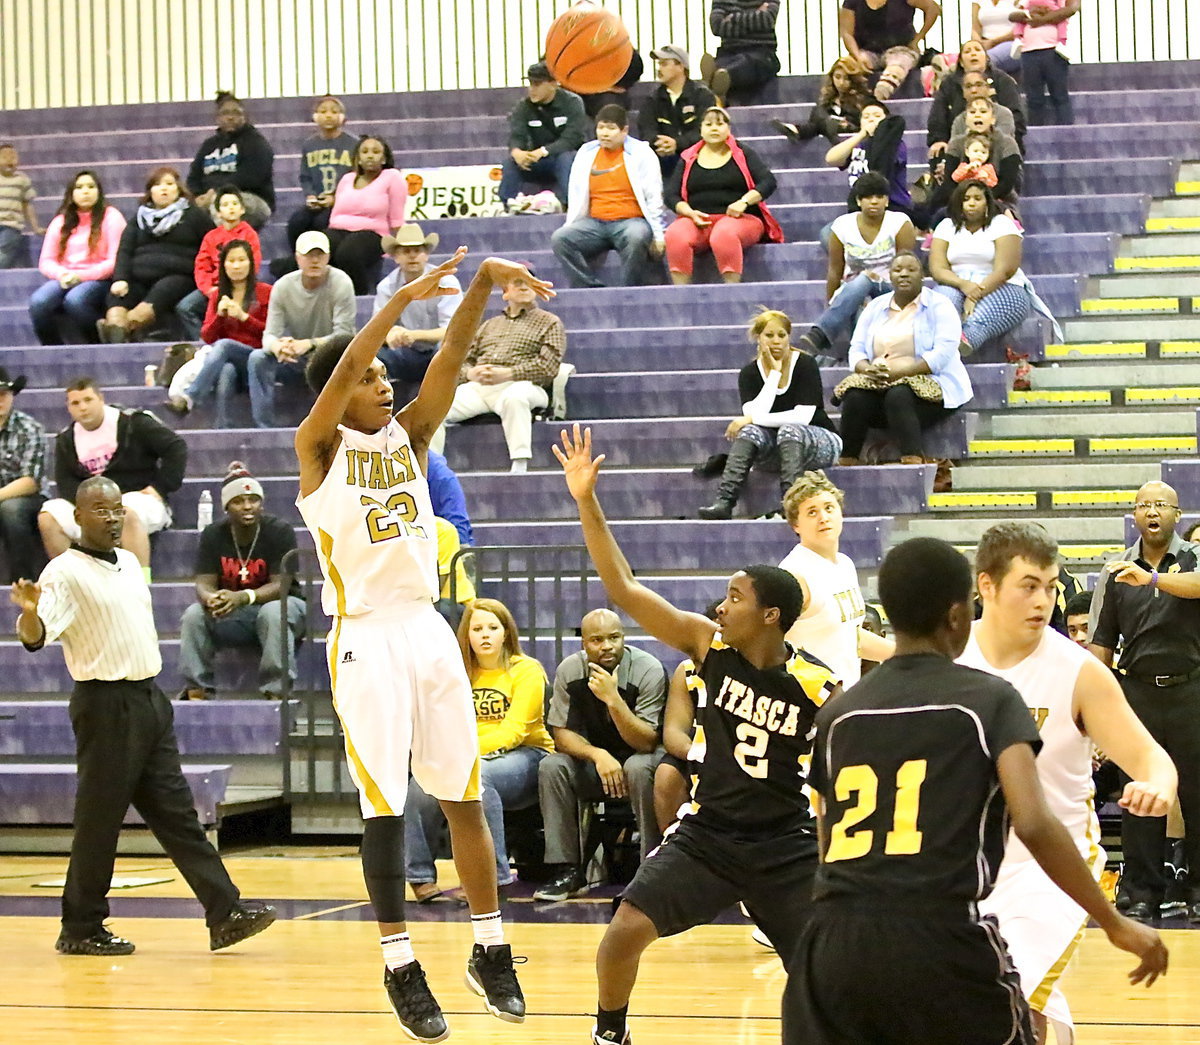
column 314, row 976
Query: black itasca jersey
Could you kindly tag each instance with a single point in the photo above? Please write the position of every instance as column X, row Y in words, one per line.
column 905, row 762
column 756, row 728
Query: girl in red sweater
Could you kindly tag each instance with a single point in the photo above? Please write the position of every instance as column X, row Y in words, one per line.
column 233, row 328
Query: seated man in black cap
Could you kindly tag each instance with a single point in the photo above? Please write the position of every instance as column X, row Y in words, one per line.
column 22, row 471
column 238, row 591
column 544, row 131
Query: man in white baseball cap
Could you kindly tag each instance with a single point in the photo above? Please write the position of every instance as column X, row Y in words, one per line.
column 412, row 341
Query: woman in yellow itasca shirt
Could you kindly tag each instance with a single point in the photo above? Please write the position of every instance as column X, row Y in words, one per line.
column 510, row 695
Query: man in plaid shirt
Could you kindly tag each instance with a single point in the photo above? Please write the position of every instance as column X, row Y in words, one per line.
column 22, row 470
column 508, row 371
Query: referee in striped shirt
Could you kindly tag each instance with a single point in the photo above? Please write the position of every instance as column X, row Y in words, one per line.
column 95, row 600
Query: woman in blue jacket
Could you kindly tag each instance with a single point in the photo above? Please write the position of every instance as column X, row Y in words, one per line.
column 907, row 372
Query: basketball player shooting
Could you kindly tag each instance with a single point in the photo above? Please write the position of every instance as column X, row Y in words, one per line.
column 749, row 835
column 399, row 685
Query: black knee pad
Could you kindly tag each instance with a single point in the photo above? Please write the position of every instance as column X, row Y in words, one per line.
column 383, row 866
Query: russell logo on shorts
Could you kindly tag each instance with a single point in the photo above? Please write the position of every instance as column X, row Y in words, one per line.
column 348, row 657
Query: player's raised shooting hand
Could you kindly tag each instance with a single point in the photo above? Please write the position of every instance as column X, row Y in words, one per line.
column 580, row 469
column 1143, row 941
column 426, row 286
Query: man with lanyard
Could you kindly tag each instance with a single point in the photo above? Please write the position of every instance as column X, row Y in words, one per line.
column 94, row 598
column 1148, row 603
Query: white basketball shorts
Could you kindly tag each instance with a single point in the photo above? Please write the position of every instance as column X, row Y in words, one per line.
column 403, row 698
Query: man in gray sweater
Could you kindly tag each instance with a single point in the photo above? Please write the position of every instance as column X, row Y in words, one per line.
column 307, row 309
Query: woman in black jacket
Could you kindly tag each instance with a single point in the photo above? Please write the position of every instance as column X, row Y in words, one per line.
column 156, row 258
column 783, row 423
column 949, row 100
column 236, row 155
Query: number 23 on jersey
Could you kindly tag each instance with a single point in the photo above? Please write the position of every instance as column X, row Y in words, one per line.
column 848, row 841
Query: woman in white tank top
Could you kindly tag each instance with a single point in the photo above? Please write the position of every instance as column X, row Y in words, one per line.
column 991, row 26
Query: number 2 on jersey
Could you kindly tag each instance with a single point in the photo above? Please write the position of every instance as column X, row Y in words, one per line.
column 750, row 753
column 903, row 839
column 385, row 521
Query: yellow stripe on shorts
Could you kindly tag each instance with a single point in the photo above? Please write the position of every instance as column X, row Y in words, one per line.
column 370, row 789
column 1041, row 995
column 474, row 789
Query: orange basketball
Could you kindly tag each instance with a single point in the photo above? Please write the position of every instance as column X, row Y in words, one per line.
column 588, row 49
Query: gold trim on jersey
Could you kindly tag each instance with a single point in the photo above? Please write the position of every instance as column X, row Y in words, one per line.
column 1041, row 994
column 369, row 788
column 473, row 789
column 817, row 682
column 335, row 578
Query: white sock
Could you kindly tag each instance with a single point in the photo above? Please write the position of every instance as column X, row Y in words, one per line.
column 397, row 951
column 488, row 929
column 520, row 465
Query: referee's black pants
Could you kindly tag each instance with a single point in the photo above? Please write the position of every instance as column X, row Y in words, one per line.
column 1172, row 715
column 126, row 754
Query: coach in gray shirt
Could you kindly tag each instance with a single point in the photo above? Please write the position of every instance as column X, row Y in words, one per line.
column 94, row 600
column 307, row 309
column 605, row 716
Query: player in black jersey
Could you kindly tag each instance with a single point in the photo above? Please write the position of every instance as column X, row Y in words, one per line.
column 750, row 833
column 917, row 770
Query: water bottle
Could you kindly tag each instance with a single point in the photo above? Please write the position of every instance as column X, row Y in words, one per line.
column 204, row 511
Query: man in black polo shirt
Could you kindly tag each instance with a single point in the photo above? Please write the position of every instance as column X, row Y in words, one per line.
column 670, row 118
column 605, row 717
column 1148, row 604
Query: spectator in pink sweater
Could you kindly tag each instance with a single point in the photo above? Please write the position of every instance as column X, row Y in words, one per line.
column 367, row 205
column 231, row 225
column 77, row 258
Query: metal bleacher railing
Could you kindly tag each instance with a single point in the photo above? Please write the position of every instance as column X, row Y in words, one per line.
column 532, row 580
column 111, row 52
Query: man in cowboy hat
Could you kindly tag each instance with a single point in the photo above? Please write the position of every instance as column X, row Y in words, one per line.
column 410, row 344
column 22, row 470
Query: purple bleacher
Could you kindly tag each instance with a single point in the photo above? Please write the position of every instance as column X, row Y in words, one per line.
column 365, row 109
column 52, row 157
column 42, row 729
column 32, row 794
column 1184, row 476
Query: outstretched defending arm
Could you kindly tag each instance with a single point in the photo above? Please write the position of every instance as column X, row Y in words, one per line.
column 690, row 633
column 424, row 414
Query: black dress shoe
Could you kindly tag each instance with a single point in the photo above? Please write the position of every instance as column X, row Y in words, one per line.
column 101, row 944
column 1146, row 913
column 248, row 918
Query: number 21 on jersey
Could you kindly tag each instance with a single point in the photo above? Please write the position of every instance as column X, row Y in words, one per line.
column 849, row 842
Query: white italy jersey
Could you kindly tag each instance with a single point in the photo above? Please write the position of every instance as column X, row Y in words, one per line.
column 373, row 524
column 1046, row 681
column 828, row 627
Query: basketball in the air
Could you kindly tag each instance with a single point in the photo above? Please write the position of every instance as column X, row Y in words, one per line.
column 588, row 49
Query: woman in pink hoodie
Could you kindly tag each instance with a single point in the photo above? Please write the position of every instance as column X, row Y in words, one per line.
column 77, row 259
